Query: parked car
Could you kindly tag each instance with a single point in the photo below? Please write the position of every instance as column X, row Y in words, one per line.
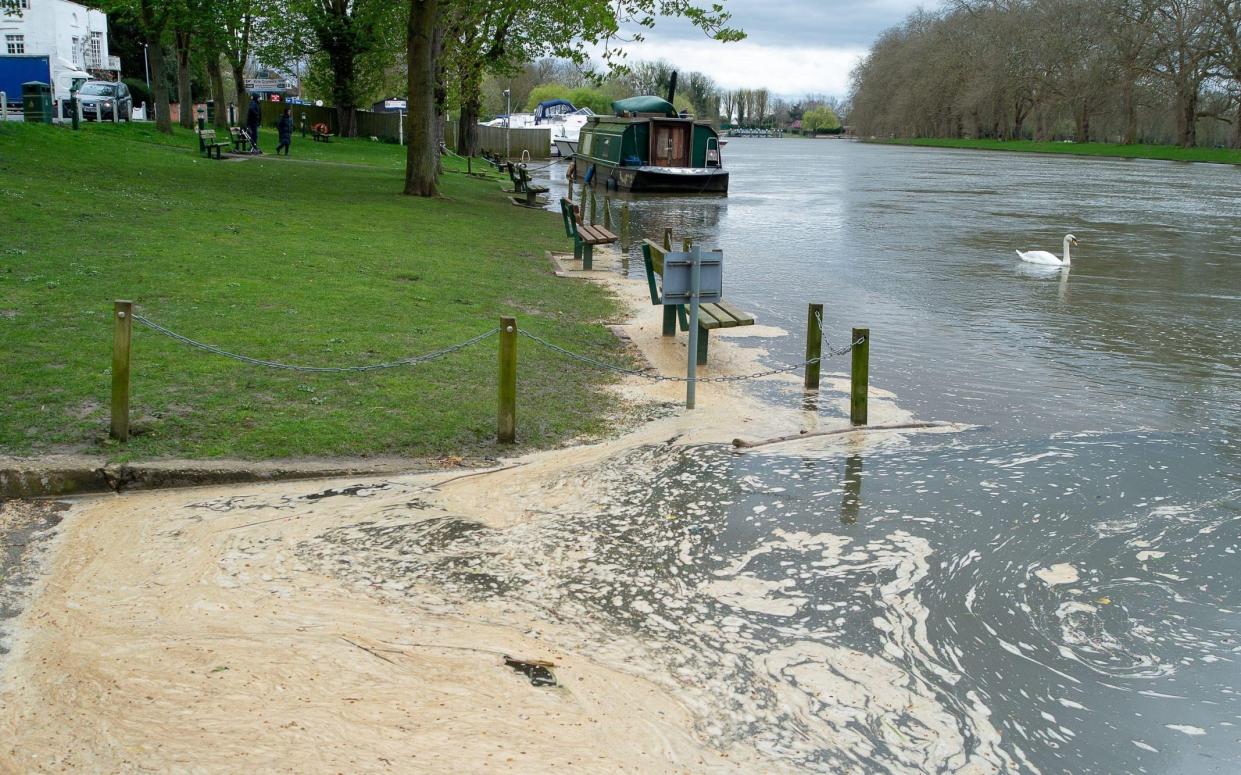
column 101, row 98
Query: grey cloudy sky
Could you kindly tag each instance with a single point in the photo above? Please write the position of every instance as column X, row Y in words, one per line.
column 794, row 47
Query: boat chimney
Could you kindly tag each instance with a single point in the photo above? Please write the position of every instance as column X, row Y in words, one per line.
column 672, row 86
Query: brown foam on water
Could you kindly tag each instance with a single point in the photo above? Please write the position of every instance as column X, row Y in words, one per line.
column 180, row 630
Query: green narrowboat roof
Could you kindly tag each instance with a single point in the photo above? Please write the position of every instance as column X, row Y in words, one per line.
column 646, row 104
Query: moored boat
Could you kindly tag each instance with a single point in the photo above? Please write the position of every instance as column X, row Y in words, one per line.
column 648, row 147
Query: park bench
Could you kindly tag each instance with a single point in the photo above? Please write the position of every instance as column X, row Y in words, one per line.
column 584, row 237
column 711, row 315
column 521, row 185
column 241, row 140
column 207, row 143
column 319, row 133
column 501, row 164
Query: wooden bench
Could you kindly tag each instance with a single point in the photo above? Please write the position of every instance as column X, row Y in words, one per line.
column 584, row 237
column 241, row 140
column 711, row 315
column 521, row 185
column 501, row 164
column 207, row 143
column 320, row 137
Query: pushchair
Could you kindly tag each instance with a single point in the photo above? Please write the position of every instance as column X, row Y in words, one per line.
column 252, row 141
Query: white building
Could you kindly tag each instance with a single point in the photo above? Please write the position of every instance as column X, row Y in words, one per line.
column 74, row 37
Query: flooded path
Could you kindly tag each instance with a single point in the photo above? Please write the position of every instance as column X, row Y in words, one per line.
column 1051, row 586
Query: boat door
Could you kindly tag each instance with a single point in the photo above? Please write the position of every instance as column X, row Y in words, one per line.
column 670, row 143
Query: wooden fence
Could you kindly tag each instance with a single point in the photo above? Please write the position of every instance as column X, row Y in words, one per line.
column 387, row 127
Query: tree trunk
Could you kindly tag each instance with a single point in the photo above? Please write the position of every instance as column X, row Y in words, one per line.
column 421, row 153
column 1129, row 102
column 185, row 96
column 216, row 76
column 343, row 76
column 471, row 106
column 163, row 118
column 1083, row 123
column 1187, row 116
column 440, row 96
column 239, row 86
column 1236, row 127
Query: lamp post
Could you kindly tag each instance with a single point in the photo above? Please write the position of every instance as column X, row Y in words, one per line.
column 149, row 114
column 508, row 124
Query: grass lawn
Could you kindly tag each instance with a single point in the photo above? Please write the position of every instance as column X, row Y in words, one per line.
column 316, row 260
column 1164, row 152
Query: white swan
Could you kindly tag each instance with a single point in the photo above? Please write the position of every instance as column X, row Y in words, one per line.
column 1050, row 259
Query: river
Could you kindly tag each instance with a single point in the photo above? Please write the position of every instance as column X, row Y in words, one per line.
column 1056, row 590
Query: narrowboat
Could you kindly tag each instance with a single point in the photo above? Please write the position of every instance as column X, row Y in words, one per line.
column 647, row 147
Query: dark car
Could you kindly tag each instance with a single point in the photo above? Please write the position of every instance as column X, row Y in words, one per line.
column 101, row 98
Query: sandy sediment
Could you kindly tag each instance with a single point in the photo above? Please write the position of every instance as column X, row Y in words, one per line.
column 183, row 631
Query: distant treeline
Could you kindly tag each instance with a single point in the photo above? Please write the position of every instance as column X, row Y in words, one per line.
column 1149, row 71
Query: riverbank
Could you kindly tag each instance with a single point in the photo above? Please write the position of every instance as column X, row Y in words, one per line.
column 315, row 260
column 265, row 627
column 1112, row 150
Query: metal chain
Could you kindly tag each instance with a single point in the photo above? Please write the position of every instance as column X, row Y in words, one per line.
column 412, row 361
column 664, row 378
column 823, row 333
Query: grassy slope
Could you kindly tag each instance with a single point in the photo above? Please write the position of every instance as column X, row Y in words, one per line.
column 1165, row 152
column 316, row 263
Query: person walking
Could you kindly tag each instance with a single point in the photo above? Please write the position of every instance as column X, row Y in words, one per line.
column 254, row 116
column 285, row 127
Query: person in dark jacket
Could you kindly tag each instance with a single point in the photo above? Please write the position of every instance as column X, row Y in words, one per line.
column 254, row 117
column 285, row 127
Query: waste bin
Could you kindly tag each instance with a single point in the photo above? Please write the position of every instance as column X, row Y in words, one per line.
column 37, row 102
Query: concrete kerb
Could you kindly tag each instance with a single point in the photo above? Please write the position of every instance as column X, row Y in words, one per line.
column 63, row 475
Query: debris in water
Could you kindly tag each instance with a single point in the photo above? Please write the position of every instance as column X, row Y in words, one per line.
column 536, row 669
column 1060, row 573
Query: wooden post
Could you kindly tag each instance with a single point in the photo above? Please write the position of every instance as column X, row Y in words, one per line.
column 469, row 165
column 860, row 376
column 607, row 213
column 668, row 238
column 814, row 344
column 122, row 335
column 592, row 207
column 506, row 423
column 625, row 222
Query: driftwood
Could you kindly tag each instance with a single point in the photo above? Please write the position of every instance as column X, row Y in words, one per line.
column 743, row 444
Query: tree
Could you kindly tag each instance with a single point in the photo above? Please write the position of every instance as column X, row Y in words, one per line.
column 592, row 22
column 1185, row 43
column 357, row 39
column 1227, row 19
column 152, row 17
column 817, row 120
column 759, row 99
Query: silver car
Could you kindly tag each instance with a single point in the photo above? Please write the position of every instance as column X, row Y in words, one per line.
column 100, row 99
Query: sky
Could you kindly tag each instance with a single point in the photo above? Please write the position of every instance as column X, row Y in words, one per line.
column 793, row 48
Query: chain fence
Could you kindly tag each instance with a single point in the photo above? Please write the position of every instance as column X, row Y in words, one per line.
column 411, row 361
column 645, row 374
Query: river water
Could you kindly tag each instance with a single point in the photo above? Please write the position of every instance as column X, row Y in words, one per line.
column 1058, row 590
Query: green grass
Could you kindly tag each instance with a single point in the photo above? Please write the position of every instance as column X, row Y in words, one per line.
column 1116, row 150
column 315, row 260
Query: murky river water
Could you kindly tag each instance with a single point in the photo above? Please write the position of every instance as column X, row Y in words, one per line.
column 1065, row 578
column 1055, row 591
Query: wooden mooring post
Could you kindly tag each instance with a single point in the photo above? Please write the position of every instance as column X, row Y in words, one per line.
column 592, row 207
column 122, row 337
column 607, row 213
column 814, row 345
column 506, row 420
column 860, row 376
column 625, row 222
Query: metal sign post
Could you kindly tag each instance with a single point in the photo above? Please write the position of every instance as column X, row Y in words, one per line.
column 693, row 277
column 695, row 284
